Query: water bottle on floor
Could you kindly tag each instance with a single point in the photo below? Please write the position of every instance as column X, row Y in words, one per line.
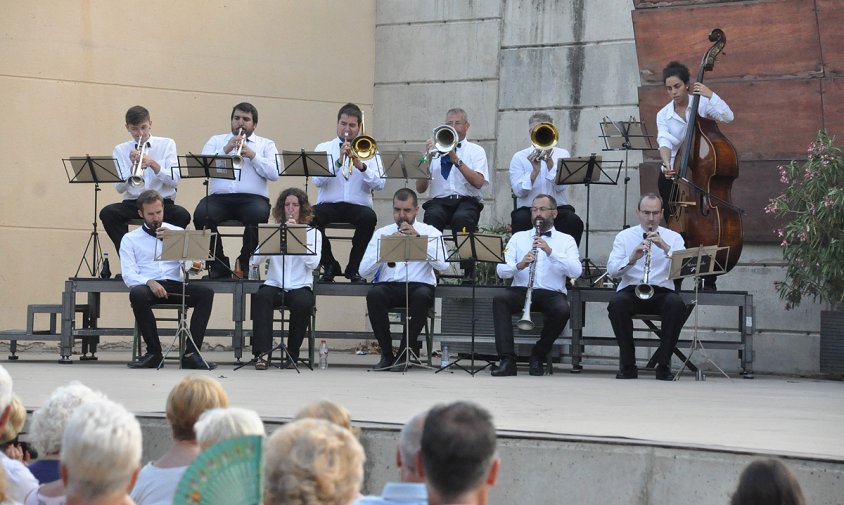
column 444, row 356
column 105, row 273
column 323, row 355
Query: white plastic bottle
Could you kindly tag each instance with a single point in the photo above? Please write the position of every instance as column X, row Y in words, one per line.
column 323, row 355
column 444, row 361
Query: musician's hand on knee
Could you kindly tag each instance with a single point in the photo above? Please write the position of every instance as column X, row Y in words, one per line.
column 157, row 289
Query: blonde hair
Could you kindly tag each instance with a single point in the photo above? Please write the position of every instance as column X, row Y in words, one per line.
column 329, row 411
column 312, row 461
column 17, row 418
column 192, row 396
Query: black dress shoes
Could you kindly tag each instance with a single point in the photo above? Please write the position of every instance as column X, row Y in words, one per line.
column 384, row 364
column 628, row 373
column 148, row 360
column 355, row 278
column 537, row 368
column 506, row 367
column 194, row 362
column 663, row 373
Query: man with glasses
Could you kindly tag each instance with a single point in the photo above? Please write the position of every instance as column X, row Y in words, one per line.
column 627, row 261
column 457, row 181
column 556, row 257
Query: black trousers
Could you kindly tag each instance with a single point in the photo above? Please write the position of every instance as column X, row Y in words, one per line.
column 199, row 297
column 115, row 218
column 458, row 213
column 361, row 217
column 566, row 222
column 268, row 298
column 665, row 302
column 388, row 295
column 555, row 311
column 247, row 208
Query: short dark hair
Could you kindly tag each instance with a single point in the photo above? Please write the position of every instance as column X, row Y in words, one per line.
column 549, row 197
column 352, row 110
column 306, row 212
column 149, row 196
column 246, row 107
column 676, row 69
column 649, row 195
column 404, row 194
column 458, row 448
column 136, row 115
column 767, row 481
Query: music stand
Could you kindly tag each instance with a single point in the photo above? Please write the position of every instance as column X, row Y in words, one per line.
column 696, row 262
column 403, row 164
column 306, row 163
column 628, row 136
column 281, row 240
column 85, row 170
column 587, row 170
column 484, row 248
column 184, row 246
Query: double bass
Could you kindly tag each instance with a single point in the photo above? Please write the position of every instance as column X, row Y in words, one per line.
column 700, row 208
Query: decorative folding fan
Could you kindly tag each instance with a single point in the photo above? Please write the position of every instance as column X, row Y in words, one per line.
column 227, row 473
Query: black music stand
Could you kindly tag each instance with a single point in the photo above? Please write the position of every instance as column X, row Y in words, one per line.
column 587, row 170
column 403, row 164
column 697, row 262
column 483, row 248
column 281, row 240
column 184, row 246
column 626, row 136
column 305, row 163
column 86, row 170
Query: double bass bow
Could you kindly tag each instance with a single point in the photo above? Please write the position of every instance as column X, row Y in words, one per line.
column 699, row 206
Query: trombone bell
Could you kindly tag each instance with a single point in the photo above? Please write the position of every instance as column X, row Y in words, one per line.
column 445, row 139
column 544, row 137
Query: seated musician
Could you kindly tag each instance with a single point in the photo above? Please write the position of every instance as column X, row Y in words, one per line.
column 389, row 279
column 530, row 176
column 152, row 282
column 555, row 257
column 289, row 281
column 628, row 260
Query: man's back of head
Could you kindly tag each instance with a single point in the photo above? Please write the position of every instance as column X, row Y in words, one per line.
column 458, row 453
column 410, row 440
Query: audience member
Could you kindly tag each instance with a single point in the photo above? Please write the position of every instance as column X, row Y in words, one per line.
column 101, row 454
column 192, row 396
column 329, row 411
column 768, row 482
column 312, row 461
column 17, row 417
column 219, row 424
column 19, row 480
column 457, row 454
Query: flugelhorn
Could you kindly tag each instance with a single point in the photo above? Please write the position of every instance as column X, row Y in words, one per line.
column 364, row 147
column 643, row 290
column 237, row 159
column 136, row 179
column 525, row 324
column 544, row 137
column 445, row 140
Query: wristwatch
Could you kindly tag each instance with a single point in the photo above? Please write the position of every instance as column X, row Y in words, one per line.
column 459, row 163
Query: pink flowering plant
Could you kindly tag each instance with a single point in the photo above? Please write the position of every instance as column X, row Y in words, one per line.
column 811, row 210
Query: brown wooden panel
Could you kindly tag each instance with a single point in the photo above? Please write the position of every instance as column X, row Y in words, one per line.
column 757, row 183
column 831, row 21
column 765, row 39
column 774, row 119
column 833, row 107
column 650, row 4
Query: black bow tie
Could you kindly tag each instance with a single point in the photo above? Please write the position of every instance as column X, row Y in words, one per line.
column 148, row 231
column 545, row 234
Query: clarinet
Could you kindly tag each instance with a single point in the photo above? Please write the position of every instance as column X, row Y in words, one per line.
column 525, row 323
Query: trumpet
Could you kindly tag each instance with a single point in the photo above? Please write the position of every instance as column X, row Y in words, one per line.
column 136, row 179
column 643, row 290
column 525, row 324
column 237, row 159
column 544, row 137
column 364, row 148
column 445, row 140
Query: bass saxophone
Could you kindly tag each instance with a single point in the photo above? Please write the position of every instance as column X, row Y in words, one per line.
column 643, row 290
column 525, row 324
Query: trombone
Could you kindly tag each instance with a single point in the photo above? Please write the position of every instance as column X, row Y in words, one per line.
column 136, row 179
column 445, row 140
column 237, row 159
column 544, row 137
column 363, row 147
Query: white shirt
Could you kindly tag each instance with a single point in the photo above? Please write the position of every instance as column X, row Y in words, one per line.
column 474, row 157
column 671, row 128
column 293, row 271
column 19, row 480
column 412, row 271
column 254, row 174
column 359, row 186
column 398, row 493
column 624, row 244
column 157, row 486
column 137, row 258
column 545, row 183
column 160, row 149
column 551, row 269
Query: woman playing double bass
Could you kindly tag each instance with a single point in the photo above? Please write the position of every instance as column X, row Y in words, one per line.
column 671, row 122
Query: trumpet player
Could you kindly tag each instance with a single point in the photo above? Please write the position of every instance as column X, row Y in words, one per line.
column 246, row 198
column 533, row 171
column 546, row 257
column 347, row 197
column 641, row 257
column 144, row 162
column 457, row 180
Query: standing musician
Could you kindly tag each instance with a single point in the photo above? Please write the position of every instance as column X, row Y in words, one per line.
column 158, row 170
column 548, row 257
column 347, row 197
column 389, row 279
column 531, row 176
column 626, row 261
column 289, row 280
column 246, row 198
column 671, row 123
column 457, row 180
column 152, row 282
